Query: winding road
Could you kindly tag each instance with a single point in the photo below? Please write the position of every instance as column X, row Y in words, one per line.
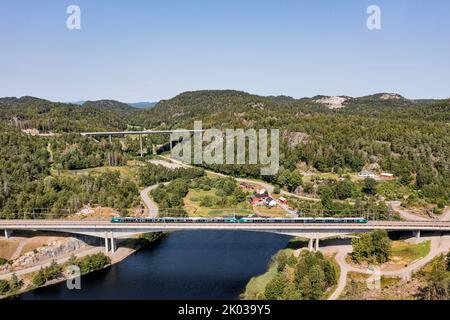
column 440, row 243
column 151, row 205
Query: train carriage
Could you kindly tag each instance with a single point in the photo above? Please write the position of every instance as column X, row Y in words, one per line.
column 235, row 220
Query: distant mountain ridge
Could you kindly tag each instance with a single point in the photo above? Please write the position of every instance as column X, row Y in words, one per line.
column 143, row 105
column 139, row 105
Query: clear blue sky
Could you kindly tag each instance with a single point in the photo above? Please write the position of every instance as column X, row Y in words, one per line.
column 150, row 50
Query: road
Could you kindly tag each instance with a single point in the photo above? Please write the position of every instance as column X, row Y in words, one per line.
column 102, row 224
column 439, row 244
column 263, row 185
column 396, row 205
column 404, row 213
column 445, row 215
column 151, row 205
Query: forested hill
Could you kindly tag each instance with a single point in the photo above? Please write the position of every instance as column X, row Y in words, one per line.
column 409, row 138
column 45, row 116
column 214, row 107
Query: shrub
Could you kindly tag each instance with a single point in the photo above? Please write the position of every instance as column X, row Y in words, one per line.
column 4, row 286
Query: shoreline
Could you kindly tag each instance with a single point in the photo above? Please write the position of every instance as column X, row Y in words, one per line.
column 121, row 254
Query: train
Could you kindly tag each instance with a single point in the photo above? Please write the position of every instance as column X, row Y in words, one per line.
column 236, row 220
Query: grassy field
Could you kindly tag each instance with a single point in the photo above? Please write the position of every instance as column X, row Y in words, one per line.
column 269, row 212
column 257, row 284
column 330, row 291
column 125, row 171
column 8, row 247
column 194, row 197
column 404, row 253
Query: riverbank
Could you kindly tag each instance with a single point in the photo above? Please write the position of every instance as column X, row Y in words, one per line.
column 25, row 279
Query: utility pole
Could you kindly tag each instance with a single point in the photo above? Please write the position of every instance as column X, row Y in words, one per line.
column 140, row 143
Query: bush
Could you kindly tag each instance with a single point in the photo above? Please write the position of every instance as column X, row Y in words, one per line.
column 276, row 189
column 39, row 278
column 207, row 201
column 281, row 261
column 4, row 286
column 93, row 262
column 3, row 261
column 372, row 247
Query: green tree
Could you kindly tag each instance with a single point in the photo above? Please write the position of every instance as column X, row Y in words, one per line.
column 344, row 189
column 4, row 287
column 281, row 261
column 369, row 186
column 274, row 289
column 326, row 196
column 39, row 278
column 438, row 282
column 15, row 283
column 373, row 247
column 295, row 180
column 239, row 195
column 276, row 189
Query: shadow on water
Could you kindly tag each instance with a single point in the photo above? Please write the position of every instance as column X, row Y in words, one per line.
column 183, row 265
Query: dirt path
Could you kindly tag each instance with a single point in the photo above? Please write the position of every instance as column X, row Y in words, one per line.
column 120, row 254
column 439, row 244
column 149, row 203
column 19, row 248
column 445, row 215
column 46, row 263
column 342, row 253
column 404, row 213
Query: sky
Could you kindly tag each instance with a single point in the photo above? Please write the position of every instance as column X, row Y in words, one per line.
column 150, row 50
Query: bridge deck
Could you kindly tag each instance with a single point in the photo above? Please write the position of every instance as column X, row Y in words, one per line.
column 389, row 225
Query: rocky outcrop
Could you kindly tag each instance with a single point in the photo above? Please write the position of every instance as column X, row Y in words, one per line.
column 332, row 102
column 50, row 251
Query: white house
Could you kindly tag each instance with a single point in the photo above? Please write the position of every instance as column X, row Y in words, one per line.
column 366, row 174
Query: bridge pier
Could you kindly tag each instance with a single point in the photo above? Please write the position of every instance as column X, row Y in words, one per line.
column 311, row 244
column 417, row 234
column 113, row 243
column 106, row 243
column 317, row 244
column 110, row 139
column 7, row 233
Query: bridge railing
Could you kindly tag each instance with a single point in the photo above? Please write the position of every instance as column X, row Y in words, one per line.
column 100, row 213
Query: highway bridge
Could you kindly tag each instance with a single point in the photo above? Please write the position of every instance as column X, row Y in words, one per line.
column 141, row 133
column 314, row 231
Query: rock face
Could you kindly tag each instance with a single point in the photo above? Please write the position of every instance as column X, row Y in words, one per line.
column 296, row 138
column 334, row 102
column 51, row 251
column 390, row 96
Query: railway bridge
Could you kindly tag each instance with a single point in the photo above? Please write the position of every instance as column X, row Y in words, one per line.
column 314, row 231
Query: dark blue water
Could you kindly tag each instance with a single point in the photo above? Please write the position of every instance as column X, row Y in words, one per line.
column 184, row 265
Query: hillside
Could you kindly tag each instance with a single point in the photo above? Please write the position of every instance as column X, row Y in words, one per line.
column 408, row 138
column 46, row 116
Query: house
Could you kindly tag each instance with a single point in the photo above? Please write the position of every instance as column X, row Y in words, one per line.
column 270, row 202
column 262, row 192
column 386, row 176
column 257, row 199
column 366, row 174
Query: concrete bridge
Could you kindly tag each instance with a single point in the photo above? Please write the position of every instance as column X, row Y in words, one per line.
column 111, row 231
column 110, row 134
